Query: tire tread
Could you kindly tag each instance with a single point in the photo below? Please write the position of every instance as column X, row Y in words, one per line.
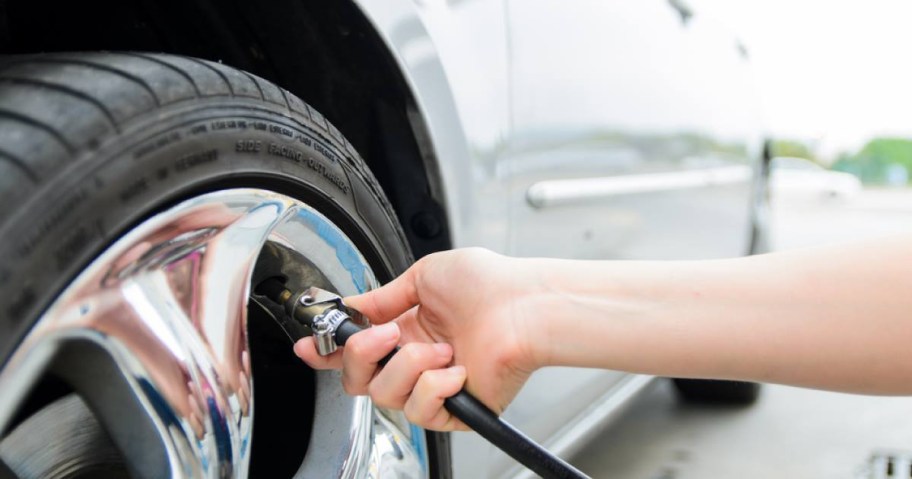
column 98, row 65
column 164, row 79
column 41, row 83
column 207, row 80
column 15, row 179
column 27, row 120
column 20, row 164
column 183, row 73
column 240, row 83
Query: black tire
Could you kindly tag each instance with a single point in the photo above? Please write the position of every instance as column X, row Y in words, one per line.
column 91, row 144
column 712, row 391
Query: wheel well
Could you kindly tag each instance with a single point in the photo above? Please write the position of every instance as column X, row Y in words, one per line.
column 327, row 53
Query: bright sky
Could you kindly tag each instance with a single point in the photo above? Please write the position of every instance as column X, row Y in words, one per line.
column 835, row 71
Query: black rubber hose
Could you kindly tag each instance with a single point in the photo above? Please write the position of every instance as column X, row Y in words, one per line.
column 488, row 425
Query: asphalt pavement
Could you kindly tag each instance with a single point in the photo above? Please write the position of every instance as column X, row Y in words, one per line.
column 790, row 432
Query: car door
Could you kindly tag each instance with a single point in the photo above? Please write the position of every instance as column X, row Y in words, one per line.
column 633, row 132
column 633, row 135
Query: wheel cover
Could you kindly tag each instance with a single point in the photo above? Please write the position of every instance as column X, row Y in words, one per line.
column 153, row 335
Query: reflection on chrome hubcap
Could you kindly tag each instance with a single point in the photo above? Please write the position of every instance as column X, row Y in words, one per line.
column 153, row 335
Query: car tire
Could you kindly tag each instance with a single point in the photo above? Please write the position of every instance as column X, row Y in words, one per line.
column 711, row 391
column 94, row 144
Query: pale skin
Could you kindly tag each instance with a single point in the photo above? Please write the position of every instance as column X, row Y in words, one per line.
column 836, row 318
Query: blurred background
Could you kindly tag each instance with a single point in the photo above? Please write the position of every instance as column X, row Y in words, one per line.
column 835, row 79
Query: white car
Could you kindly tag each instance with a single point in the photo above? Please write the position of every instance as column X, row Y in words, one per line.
column 799, row 178
column 160, row 160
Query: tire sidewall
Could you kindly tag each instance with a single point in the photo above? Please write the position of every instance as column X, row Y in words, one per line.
column 177, row 153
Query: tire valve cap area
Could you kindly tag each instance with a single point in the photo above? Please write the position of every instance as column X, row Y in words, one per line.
column 323, row 338
column 324, row 330
column 322, row 311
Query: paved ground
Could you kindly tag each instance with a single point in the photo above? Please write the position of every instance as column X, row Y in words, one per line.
column 790, row 433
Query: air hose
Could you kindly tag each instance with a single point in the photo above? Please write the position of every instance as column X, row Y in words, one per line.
column 331, row 324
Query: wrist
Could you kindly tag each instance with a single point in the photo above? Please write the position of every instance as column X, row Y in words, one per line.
column 527, row 305
column 604, row 314
column 549, row 309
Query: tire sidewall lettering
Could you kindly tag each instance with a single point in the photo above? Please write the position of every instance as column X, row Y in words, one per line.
column 87, row 210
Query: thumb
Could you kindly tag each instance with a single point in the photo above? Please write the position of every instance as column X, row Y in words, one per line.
column 390, row 300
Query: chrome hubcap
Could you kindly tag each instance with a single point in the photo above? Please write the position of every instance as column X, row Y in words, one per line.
column 153, row 336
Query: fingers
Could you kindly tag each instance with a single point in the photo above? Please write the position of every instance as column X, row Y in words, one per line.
column 307, row 351
column 425, row 405
column 366, row 348
column 392, row 386
column 362, row 353
column 411, row 381
column 390, row 300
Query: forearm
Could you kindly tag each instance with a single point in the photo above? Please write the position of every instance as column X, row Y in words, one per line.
column 834, row 318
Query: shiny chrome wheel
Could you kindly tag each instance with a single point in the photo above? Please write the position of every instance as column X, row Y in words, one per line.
column 153, row 337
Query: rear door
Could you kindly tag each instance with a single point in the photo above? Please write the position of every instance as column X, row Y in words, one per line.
column 633, row 132
column 633, row 136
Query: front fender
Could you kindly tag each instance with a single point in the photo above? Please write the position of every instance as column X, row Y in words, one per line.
column 460, row 87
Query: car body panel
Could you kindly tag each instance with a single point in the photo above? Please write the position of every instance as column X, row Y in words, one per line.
column 650, row 100
column 587, row 130
column 439, row 46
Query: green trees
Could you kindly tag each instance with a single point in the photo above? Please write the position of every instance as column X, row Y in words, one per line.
column 794, row 149
column 886, row 161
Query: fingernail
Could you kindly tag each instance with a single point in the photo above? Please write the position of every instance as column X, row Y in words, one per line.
column 386, row 332
column 457, row 371
column 299, row 346
column 347, row 301
column 443, row 349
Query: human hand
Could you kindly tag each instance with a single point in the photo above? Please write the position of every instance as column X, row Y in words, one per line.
column 462, row 307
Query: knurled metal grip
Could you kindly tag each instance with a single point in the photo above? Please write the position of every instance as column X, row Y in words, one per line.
column 324, row 330
column 321, row 311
